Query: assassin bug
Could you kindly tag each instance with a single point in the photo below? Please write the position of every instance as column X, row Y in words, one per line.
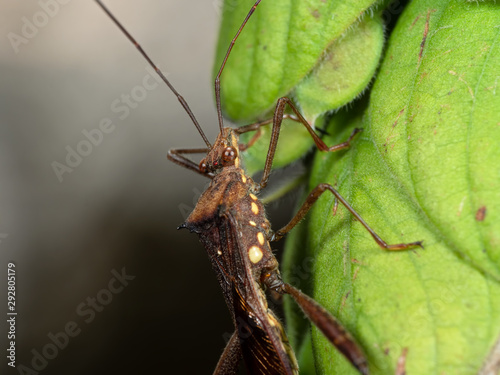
column 231, row 223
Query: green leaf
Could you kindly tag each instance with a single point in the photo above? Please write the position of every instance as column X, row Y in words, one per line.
column 344, row 71
column 279, row 46
column 426, row 167
column 288, row 45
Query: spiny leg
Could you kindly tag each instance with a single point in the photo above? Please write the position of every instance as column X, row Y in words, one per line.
column 251, row 142
column 313, row 197
column 321, row 318
column 256, row 128
column 277, row 120
column 331, row 328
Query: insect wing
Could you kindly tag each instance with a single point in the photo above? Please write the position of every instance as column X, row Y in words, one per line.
column 264, row 346
column 263, row 341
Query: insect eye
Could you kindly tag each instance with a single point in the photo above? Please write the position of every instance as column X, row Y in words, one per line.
column 229, row 154
column 203, row 167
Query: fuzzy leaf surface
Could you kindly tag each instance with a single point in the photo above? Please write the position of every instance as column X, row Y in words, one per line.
column 282, row 48
column 426, row 167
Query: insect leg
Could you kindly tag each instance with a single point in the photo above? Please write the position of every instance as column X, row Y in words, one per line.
column 250, row 143
column 313, row 197
column 277, row 120
column 327, row 324
column 175, row 155
column 230, row 359
column 256, row 127
column 330, row 327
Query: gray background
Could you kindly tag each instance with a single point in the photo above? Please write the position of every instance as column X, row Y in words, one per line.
column 120, row 206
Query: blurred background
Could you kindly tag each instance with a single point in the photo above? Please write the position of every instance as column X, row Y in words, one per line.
column 72, row 223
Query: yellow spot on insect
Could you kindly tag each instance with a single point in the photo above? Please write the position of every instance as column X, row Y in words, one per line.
column 255, row 208
column 243, row 178
column 219, row 252
column 260, row 238
column 255, row 254
column 253, row 197
column 252, row 223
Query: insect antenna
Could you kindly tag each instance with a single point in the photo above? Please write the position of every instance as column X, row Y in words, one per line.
column 217, row 79
column 158, row 71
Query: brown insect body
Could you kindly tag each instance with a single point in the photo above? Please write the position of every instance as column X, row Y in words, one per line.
column 233, row 228
column 231, row 223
